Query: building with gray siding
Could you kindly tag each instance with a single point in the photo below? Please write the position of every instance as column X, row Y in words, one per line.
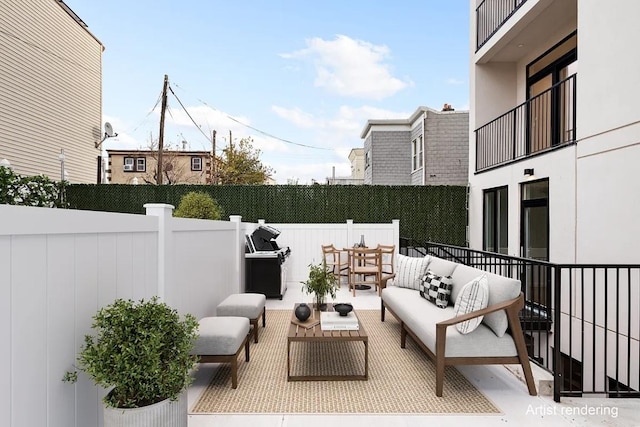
column 429, row 148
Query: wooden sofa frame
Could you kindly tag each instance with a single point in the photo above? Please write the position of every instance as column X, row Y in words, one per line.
column 511, row 307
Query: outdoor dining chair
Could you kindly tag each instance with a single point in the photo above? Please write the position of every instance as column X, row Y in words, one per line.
column 365, row 268
column 336, row 261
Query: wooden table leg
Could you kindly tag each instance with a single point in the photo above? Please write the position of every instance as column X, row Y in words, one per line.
column 288, row 360
column 366, row 359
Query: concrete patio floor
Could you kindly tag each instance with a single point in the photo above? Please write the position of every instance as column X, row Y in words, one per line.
column 497, row 383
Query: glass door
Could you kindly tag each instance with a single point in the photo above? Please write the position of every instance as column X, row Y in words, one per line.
column 551, row 96
column 534, row 237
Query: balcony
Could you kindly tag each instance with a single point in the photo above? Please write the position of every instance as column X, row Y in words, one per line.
column 543, row 123
column 491, row 15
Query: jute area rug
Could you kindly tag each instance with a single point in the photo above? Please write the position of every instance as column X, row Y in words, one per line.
column 401, row 381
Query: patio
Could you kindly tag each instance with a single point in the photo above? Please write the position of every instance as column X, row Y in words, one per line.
column 51, row 257
column 497, row 383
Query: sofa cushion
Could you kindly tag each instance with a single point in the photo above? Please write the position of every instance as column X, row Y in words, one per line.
column 442, row 267
column 474, row 296
column 501, row 289
column 436, row 289
column 410, row 271
column 421, row 317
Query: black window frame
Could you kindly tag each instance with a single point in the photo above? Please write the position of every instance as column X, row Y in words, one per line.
column 496, row 219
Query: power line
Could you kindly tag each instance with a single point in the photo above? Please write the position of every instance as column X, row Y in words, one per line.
column 189, row 115
column 251, row 127
column 144, row 119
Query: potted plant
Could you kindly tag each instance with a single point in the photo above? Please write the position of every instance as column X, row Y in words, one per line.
column 320, row 283
column 143, row 351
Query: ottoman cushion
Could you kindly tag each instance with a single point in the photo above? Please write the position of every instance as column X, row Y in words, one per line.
column 220, row 335
column 242, row 305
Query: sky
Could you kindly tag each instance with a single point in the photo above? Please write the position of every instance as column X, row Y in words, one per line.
column 301, row 78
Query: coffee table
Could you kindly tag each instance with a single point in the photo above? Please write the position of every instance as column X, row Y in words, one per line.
column 315, row 334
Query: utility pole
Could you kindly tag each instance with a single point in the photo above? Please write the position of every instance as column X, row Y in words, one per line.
column 214, row 166
column 161, row 138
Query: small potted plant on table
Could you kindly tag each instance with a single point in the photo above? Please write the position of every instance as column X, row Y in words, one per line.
column 320, row 283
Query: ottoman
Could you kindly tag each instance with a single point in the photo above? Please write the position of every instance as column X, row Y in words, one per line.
column 248, row 305
column 220, row 340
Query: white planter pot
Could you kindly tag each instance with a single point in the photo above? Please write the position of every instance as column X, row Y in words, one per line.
column 165, row 414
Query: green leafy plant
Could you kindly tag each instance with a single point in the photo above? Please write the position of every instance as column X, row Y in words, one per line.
column 30, row 190
column 321, row 282
column 198, row 205
column 142, row 349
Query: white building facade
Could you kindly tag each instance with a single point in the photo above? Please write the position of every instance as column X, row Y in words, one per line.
column 554, row 148
column 555, row 130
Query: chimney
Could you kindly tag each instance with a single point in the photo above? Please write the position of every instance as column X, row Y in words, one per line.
column 447, row 107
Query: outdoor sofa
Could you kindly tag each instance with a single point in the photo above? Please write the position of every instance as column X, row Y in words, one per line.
column 457, row 314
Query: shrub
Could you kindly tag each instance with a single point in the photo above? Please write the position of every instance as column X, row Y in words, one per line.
column 142, row 350
column 30, row 190
column 198, row 205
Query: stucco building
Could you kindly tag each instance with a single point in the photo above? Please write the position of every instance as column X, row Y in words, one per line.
column 140, row 167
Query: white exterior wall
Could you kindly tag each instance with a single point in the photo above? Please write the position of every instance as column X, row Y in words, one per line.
column 559, row 168
column 594, row 200
column 609, row 132
column 50, row 91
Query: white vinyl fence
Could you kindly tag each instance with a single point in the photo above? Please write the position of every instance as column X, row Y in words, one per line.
column 58, row 267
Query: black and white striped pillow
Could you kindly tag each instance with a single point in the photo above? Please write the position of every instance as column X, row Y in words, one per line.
column 409, row 271
column 436, row 289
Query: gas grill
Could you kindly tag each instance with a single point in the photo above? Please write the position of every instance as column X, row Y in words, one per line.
column 265, row 263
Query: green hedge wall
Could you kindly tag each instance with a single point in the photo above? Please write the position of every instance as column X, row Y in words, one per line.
column 426, row 213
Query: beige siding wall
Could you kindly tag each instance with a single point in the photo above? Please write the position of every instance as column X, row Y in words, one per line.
column 179, row 163
column 50, row 90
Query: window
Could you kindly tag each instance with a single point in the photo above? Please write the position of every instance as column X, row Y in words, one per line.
column 496, row 220
column 129, row 164
column 416, row 153
column 367, row 160
column 141, row 164
column 551, row 94
column 196, row 163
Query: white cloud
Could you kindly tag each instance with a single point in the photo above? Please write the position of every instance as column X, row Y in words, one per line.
column 346, row 124
column 454, row 81
column 295, row 116
column 349, row 67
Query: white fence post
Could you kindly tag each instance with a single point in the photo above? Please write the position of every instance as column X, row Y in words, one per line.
column 350, row 233
column 240, row 240
column 164, row 213
column 396, row 233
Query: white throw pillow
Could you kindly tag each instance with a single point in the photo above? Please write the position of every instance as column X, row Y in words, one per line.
column 410, row 271
column 473, row 296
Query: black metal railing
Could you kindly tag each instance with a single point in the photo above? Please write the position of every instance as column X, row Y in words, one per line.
column 544, row 122
column 580, row 322
column 491, row 15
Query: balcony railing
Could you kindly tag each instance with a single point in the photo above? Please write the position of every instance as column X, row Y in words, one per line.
column 582, row 316
column 544, row 122
column 491, row 15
